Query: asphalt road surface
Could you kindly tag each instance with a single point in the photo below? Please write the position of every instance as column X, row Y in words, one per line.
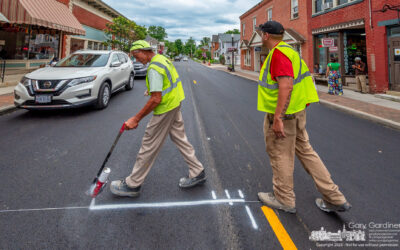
column 48, row 160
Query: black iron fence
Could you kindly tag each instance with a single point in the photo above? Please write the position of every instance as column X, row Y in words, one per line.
column 2, row 69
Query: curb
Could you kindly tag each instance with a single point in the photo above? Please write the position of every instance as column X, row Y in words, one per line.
column 361, row 114
column 388, row 97
column 7, row 109
column 377, row 119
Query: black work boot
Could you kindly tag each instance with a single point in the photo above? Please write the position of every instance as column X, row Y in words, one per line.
column 120, row 188
column 329, row 207
column 186, row 182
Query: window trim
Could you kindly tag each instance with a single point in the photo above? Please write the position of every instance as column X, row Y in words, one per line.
column 269, row 17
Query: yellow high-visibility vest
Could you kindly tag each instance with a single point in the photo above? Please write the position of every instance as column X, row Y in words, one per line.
column 172, row 91
column 303, row 92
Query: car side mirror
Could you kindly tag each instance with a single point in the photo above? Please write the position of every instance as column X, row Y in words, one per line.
column 115, row 64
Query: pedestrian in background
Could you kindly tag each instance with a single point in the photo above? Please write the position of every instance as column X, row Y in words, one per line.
column 165, row 88
column 285, row 89
column 361, row 79
column 334, row 82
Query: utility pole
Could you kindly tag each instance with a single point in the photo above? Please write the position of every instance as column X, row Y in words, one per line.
column 233, row 56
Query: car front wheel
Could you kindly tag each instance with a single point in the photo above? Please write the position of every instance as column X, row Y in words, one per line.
column 131, row 82
column 104, row 96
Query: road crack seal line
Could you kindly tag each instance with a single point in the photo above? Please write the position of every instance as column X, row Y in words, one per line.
column 226, row 225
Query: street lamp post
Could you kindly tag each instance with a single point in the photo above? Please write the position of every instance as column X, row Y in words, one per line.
column 233, row 58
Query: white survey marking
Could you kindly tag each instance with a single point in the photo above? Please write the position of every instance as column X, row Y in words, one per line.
column 166, row 204
column 92, row 203
column 228, row 196
column 240, row 194
column 213, row 195
column 251, row 218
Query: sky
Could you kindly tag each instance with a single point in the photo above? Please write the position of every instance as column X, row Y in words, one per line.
column 183, row 19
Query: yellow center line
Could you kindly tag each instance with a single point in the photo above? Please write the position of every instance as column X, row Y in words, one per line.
column 278, row 228
column 194, row 81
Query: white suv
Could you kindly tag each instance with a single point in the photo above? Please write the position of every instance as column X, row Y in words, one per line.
column 85, row 77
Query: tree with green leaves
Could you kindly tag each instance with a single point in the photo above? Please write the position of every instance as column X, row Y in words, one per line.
column 125, row 32
column 157, row 32
column 190, row 47
column 205, row 41
column 234, row 31
column 179, row 46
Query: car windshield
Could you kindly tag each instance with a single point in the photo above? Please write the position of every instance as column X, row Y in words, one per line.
column 84, row 60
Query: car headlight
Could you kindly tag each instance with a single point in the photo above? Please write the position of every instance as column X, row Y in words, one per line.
column 78, row 81
column 25, row 81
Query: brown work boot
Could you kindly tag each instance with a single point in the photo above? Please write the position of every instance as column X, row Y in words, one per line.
column 329, row 207
column 270, row 200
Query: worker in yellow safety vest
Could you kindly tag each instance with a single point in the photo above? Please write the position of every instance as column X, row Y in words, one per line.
column 285, row 88
column 166, row 94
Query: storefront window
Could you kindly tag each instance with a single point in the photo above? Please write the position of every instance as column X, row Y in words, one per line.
column 90, row 45
column 43, row 46
column 333, row 50
column 343, row 1
column 19, row 45
column 96, row 46
column 354, row 46
column 320, row 52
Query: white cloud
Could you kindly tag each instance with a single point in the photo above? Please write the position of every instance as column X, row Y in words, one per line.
column 185, row 18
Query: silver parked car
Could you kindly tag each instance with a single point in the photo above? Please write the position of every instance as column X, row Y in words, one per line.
column 85, row 77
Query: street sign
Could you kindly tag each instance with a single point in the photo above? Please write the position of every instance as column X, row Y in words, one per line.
column 397, row 52
column 328, row 42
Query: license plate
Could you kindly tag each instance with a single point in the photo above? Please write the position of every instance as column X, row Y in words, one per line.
column 43, row 98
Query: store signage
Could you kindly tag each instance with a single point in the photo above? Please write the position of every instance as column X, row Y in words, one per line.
column 328, row 42
column 397, row 52
column 333, row 49
column 257, row 49
column 2, row 42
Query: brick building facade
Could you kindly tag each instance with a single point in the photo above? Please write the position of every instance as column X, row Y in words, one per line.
column 93, row 15
column 293, row 17
column 357, row 28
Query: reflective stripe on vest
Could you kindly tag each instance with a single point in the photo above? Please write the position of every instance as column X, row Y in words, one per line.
column 173, row 84
column 299, row 78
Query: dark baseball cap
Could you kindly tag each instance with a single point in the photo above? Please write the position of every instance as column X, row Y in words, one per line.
column 272, row 27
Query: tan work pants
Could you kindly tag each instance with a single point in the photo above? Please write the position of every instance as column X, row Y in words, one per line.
column 281, row 154
column 157, row 130
column 361, row 82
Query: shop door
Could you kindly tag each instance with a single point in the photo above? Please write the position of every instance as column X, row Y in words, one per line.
column 394, row 43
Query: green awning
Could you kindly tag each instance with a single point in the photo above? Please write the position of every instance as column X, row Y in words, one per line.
column 93, row 34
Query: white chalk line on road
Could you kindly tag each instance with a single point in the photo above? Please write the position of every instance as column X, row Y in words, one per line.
column 134, row 205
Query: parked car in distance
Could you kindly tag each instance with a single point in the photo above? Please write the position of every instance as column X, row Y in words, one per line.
column 140, row 69
column 86, row 77
column 185, row 59
column 177, row 58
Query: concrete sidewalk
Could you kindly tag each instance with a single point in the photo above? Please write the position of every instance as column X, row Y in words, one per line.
column 368, row 106
column 7, row 99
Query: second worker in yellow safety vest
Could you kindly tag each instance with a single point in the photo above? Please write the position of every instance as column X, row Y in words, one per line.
column 285, row 89
column 165, row 88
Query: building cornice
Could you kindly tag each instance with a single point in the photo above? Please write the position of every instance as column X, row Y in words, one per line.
column 351, row 24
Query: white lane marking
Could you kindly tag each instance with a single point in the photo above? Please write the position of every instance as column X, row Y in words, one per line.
column 228, row 196
column 42, row 209
column 213, row 195
column 240, row 194
column 253, row 222
column 166, row 204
